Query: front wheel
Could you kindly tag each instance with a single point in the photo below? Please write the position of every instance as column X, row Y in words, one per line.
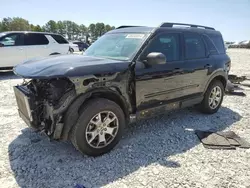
column 213, row 97
column 99, row 127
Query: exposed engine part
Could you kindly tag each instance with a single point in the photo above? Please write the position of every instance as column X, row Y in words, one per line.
column 52, row 99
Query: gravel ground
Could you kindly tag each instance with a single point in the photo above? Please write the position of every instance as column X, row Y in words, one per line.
column 161, row 152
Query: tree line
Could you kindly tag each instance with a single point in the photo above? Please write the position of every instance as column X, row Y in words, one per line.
column 67, row 28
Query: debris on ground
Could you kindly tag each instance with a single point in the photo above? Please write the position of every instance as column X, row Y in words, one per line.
column 234, row 89
column 237, row 79
column 221, row 140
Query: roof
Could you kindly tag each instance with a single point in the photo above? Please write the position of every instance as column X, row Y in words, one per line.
column 137, row 29
column 166, row 26
column 47, row 33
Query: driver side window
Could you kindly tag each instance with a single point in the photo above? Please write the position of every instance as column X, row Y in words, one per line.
column 167, row 44
column 12, row 40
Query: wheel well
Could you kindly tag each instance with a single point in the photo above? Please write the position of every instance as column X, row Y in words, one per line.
column 222, row 79
column 55, row 53
column 110, row 96
column 71, row 116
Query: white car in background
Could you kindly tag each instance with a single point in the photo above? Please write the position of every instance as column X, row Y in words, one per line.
column 19, row 46
column 73, row 47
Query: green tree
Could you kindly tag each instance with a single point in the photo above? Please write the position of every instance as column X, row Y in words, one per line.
column 61, row 28
column 83, row 30
column 38, row 28
column 6, row 24
column 19, row 24
column 100, row 29
column 91, row 30
column 108, row 28
column 15, row 24
column 51, row 26
column 32, row 27
column 1, row 27
column 69, row 28
column 75, row 30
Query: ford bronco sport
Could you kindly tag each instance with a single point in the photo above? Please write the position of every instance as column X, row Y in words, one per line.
column 130, row 73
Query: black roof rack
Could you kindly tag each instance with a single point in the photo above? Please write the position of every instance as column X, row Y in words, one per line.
column 168, row 24
column 124, row 26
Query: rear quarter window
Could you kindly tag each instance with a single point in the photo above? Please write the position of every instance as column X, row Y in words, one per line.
column 218, row 42
column 59, row 39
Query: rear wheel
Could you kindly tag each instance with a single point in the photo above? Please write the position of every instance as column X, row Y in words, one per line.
column 71, row 50
column 213, row 98
column 99, row 127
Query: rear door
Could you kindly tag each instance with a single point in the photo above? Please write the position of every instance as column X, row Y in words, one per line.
column 58, row 44
column 12, row 51
column 197, row 62
column 36, row 45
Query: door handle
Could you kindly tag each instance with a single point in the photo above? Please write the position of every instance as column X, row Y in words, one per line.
column 208, row 66
column 20, row 48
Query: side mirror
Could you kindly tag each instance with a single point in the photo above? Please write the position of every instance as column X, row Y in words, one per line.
column 1, row 45
column 156, row 58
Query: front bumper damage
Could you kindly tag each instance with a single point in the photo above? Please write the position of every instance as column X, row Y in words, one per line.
column 25, row 103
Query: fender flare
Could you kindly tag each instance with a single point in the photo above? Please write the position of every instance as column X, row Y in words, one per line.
column 219, row 73
column 72, row 113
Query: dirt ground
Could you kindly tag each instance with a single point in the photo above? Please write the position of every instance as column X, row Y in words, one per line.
column 160, row 152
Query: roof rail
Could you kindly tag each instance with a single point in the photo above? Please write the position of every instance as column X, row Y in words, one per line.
column 124, row 26
column 168, row 24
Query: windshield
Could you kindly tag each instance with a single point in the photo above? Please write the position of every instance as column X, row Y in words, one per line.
column 120, row 46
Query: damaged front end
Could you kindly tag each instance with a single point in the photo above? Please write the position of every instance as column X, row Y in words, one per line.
column 41, row 103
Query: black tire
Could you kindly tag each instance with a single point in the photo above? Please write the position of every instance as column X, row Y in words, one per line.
column 91, row 108
column 71, row 50
column 204, row 106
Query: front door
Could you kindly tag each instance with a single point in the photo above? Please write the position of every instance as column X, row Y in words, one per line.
column 12, row 51
column 157, row 84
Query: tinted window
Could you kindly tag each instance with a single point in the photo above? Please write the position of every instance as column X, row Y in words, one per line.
column 194, row 46
column 35, row 39
column 218, row 42
column 168, row 44
column 60, row 39
column 210, row 44
column 12, row 40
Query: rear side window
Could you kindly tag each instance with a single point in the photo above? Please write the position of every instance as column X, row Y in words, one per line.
column 210, row 44
column 218, row 42
column 35, row 39
column 59, row 39
column 194, row 46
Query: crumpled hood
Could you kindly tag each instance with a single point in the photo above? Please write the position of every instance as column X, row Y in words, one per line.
column 68, row 66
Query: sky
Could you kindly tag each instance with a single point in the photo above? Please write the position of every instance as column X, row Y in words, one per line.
column 230, row 17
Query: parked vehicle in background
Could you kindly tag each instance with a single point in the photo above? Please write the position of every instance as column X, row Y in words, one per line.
column 19, row 46
column 82, row 45
column 242, row 44
column 73, row 47
column 128, row 74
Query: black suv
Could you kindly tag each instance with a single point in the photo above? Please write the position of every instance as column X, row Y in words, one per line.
column 128, row 74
